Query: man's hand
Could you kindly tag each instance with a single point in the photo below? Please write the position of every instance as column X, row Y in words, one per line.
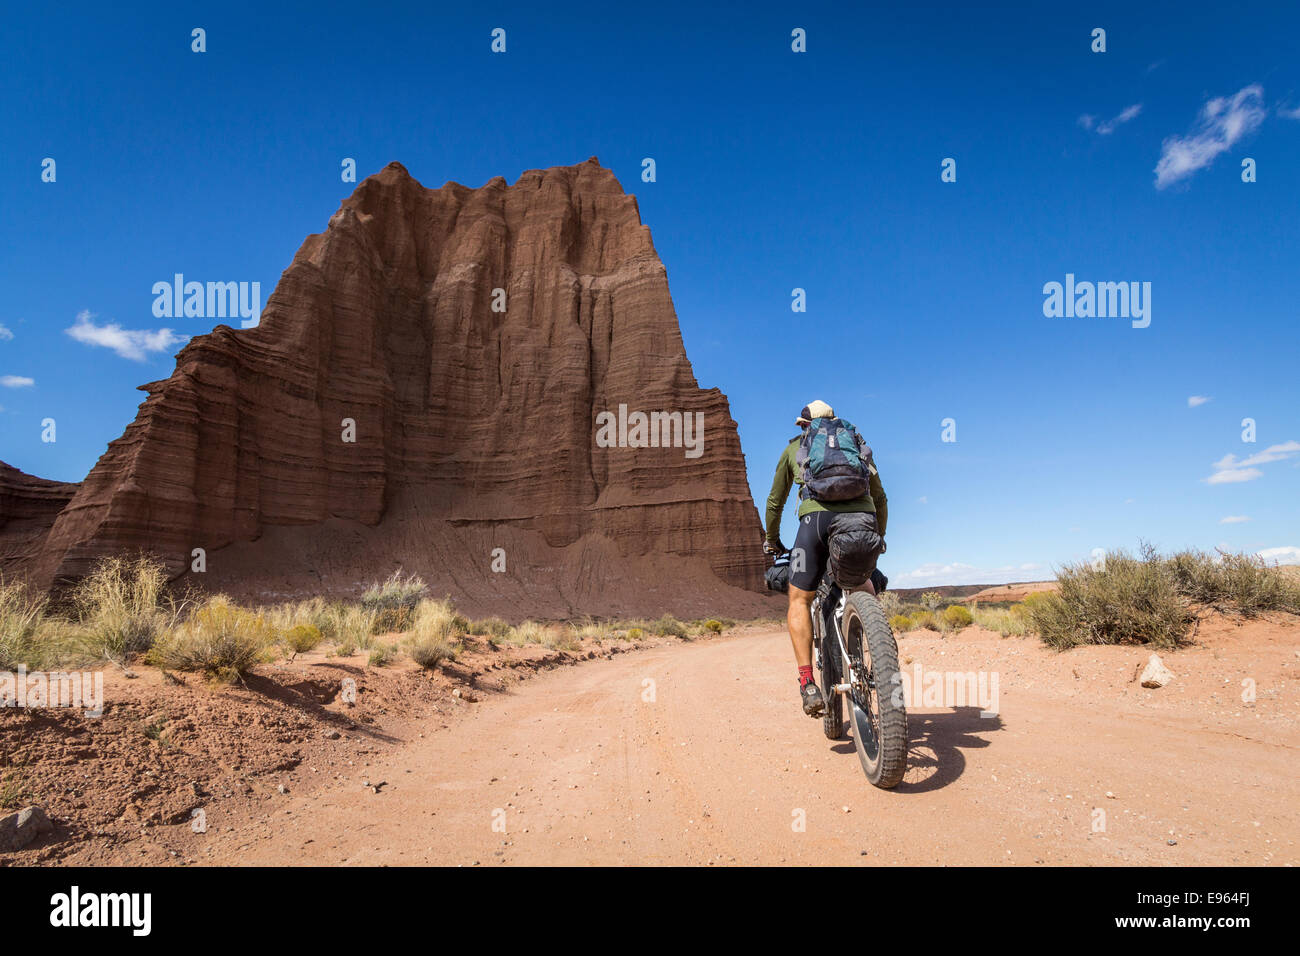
column 773, row 547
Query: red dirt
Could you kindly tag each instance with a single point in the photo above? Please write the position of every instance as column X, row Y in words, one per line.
column 583, row 765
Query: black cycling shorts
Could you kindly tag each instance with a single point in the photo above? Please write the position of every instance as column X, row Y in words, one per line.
column 812, row 548
column 808, row 556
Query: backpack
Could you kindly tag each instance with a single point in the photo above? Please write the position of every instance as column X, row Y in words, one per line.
column 833, row 461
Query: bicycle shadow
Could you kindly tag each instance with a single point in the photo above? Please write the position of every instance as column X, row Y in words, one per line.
column 935, row 744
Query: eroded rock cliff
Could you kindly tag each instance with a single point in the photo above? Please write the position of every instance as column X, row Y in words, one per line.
column 423, row 390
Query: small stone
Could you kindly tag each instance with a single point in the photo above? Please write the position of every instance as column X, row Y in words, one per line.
column 1156, row 674
column 331, row 735
column 18, row 830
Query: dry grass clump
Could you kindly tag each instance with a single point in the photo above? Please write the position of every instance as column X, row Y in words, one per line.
column 219, row 639
column 119, row 606
column 1009, row 622
column 394, row 601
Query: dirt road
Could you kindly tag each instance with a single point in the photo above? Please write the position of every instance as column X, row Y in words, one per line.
column 698, row 754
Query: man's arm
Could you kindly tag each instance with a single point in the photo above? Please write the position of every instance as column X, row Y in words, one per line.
column 781, row 482
column 877, row 492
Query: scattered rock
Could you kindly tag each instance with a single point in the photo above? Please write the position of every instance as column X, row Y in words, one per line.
column 331, row 735
column 1156, row 674
column 18, row 830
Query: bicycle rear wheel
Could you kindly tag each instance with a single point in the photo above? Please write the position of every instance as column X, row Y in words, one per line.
column 876, row 707
column 829, row 657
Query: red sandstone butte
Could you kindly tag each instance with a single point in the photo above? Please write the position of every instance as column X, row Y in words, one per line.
column 474, row 428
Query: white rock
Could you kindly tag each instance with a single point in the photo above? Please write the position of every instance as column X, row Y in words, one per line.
column 1156, row 674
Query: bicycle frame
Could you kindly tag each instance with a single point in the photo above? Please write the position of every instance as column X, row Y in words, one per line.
column 849, row 677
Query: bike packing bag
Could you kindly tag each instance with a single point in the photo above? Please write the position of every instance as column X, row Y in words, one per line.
column 854, row 547
column 778, row 575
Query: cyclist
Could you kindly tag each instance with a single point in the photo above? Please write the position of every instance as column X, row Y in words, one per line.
column 821, row 500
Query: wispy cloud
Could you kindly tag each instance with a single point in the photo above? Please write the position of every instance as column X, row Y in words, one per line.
column 1106, row 127
column 1286, row 555
column 936, row 573
column 1230, row 469
column 1221, row 124
column 17, row 381
column 134, row 344
column 1289, row 113
column 1194, row 401
column 1234, row 519
column 5, row 334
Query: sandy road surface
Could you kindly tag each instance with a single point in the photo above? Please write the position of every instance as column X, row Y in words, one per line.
column 714, row 764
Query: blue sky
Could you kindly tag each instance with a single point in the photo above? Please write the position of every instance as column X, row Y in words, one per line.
column 775, row 170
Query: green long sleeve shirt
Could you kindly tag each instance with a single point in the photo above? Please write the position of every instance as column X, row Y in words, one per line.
column 787, row 475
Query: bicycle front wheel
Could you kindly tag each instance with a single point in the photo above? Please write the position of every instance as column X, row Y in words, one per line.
column 877, row 710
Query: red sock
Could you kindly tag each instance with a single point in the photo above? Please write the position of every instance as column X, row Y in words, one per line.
column 805, row 675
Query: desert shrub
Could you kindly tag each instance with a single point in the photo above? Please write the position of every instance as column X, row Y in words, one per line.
column 669, row 626
column 219, row 639
column 713, row 625
column 490, row 627
column 429, row 652
column 314, row 612
column 890, row 603
column 22, row 617
column 119, row 605
column 901, row 623
column 1030, row 601
column 1006, row 621
column 956, row 616
column 352, row 625
column 529, row 632
column 635, row 634
column 301, row 638
column 560, row 638
column 1233, row 582
column 931, row 600
column 592, row 630
column 926, row 620
column 394, row 601
column 1127, row 600
column 380, row 655
column 437, row 620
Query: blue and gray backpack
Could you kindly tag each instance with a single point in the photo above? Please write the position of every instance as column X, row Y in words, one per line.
column 833, row 461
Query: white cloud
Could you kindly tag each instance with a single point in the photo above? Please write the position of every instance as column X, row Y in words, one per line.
column 935, row 574
column 16, row 381
column 133, row 344
column 1287, row 555
column 1233, row 476
column 1222, row 122
column 1194, row 401
column 924, row 500
column 1234, row 519
column 5, row 334
column 1110, row 125
column 1289, row 114
column 1087, row 121
column 1230, row 469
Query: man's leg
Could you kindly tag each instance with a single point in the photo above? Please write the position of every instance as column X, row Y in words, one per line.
column 799, row 619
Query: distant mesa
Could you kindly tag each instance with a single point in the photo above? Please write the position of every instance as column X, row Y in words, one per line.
column 473, row 427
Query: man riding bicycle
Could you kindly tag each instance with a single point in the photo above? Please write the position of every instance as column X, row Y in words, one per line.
column 837, row 477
